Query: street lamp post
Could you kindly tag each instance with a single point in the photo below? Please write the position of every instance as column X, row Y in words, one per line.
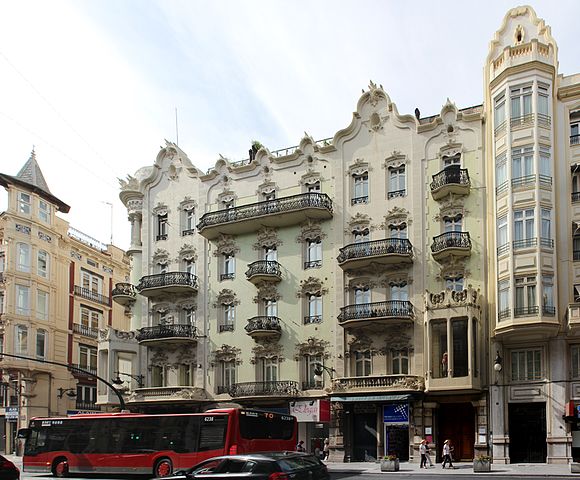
column 70, row 367
column 138, row 378
column 319, row 372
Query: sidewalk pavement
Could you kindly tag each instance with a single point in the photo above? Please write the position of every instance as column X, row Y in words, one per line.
column 461, row 468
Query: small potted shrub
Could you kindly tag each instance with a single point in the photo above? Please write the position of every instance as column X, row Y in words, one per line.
column 482, row 463
column 390, row 463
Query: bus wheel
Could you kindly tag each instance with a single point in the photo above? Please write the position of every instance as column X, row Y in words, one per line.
column 163, row 468
column 60, row 467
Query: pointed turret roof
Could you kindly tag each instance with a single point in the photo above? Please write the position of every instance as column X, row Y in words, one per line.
column 31, row 178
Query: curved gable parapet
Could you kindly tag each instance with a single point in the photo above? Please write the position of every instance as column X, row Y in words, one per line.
column 521, row 26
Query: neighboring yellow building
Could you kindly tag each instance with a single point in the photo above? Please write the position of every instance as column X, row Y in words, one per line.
column 55, row 295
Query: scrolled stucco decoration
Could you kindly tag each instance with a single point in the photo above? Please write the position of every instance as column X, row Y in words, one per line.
column 188, row 306
column 131, row 184
column 186, row 355
column 311, row 177
column 160, row 209
column 310, row 230
column 267, row 237
column 396, row 216
column 410, row 383
column 394, row 279
column 361, row 343
column 359, row 167
column 174, row 168
column 519, row 35
column 375, row 122
column 358, row 223
column 160, row 257
column 134, row 206
column 187, row 253
column 226, row 297
column 468, row 297
column 311, row 286
column 226, row 353
column 266, row 351
column 266, row 189
column 159, row 358
column 453, row 267
column 375, row 93
column 189, row 393
column 161, row 308
column 312, row 346
column 450, row 150
column 266, row 291
column 227, row 195
column 451, row 207
column 226, row 245
column 395, row 160
column 187, row 204
column 362, row 283
column 399, row 338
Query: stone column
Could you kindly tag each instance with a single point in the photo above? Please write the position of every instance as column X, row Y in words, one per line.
column 336, row 433
column 559, row 438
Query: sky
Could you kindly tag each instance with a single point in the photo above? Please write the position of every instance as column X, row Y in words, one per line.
column 96, row 86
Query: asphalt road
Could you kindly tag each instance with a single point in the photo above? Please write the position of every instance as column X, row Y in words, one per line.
column 334, row 476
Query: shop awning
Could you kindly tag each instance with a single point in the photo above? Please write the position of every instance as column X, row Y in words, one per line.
column 370, row 398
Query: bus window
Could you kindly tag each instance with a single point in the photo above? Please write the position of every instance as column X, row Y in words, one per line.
column 261, row 426
column 212, row 434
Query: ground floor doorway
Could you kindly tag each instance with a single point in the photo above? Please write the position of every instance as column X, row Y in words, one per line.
column 527, row 431
column 456, row 423
column 364, row 445
column 397, row 441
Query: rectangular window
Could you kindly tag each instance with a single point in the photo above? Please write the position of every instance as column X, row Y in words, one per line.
column 228, row 267
column 313, row 253
column 460, row 347
column 524, row 230
column 270, row 308
column 501, row 179
column 21, row 339
column 311, row 364
column 526, row 300
column 398, row 231
column 521, row 102
column 228, row 373
column 575, row 361
column 270, row 254
column 189, row 267
column 314, row 308
column 439, row 364
column 526, row 364
column 23, row 257
column 363, row 364
column 270, row 369
column 454, row 283
column 523, row 166
column 185, row 375
column 188, row 218
column 88, row 358
column 361, row 188
column 546, row 235
column 397, row 182
column 41, row 344
column 162, row 227
column 502, row 234
column 42, row 264
column 42, row 305
column 399, row 291
column 22, row 300
column 400, row 362
column 577, row 293
column 504, row 299
column 44, row 211
column 24, row 203
column 229, row 318
column 362, row 295
column 548, row 307
column 499, row 112
column 157, row 376
column 92, row 282
column 90, row 318
column 453, row 224
column 543, row 100
column 313, row 187
column 545, row 165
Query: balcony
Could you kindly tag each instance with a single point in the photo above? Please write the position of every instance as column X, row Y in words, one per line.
column 88, row 294
column 91, row 371
column 264, row 327
column 389, row 251
column 171, row 395
column 87, row 406
column 378, row 383
column 574, row 140
column 167, row 334
column 312, row 385
column 280, row 212
column 283, row 388
column 377, row 313
column 451, row 244
column 264, row 271
column 85, row 330
column 451, row 180
column 124, row 294
column 575, row 197
column 164, row 283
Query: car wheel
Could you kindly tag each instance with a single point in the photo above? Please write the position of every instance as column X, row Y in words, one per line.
column 163, row 467
column 60, row 467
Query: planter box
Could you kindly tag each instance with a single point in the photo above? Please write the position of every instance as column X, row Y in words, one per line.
column 481, row 465
column 390, row 465
column 575, row 468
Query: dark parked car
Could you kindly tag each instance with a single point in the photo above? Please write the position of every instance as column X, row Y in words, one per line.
column 8, row 471
column 258, row 466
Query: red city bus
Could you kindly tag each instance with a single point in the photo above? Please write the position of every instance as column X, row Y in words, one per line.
column 124, row 443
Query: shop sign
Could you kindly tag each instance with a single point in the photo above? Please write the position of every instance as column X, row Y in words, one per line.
column 396, row 414
column 12, row 414
column 311, row 410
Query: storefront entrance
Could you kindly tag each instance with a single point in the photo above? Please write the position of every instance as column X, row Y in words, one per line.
column 527, row 428
column 364, row 445
column 397, row 441
column 456, row 422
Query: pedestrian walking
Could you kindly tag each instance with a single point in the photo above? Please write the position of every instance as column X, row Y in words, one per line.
column 300, row 446
column 326, row 449
column 423, row 452
column 447, row 454
column 428, row 453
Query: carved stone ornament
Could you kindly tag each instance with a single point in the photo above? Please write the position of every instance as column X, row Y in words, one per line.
column 394, row 280
column 395, row 160
column 311, row 177
column 130, row 184
column 160, row 209
column 397, row 338
column 226, row 196
column 161, row 308
column 361, row 343
column 188, row 306
column 225, row 245
column 159, row 358
column 226, row 297
column 410, row 383
column 358, row 223
column 453, row 267
column 267, row 237
column 76, row 255
column 359, row 167
column 108, row 334
column 450, row 150
column 375, row 93
column 375, row 122
column 186, row 355
column 310, row 230
column 160, row 257
column 135, row 206
column 266, row 351
column 226, row 353
column 312, row 346
column 396, row 216
column 361, row 283
column 266, row 189
column 453, row 299
column 44, row 237
column 266, row 291
column 451, row 206
column 187, row 204
column 188, row 253
column 311, row 286
column 519, row 35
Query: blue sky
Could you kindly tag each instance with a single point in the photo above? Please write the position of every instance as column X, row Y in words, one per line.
column 94, row 84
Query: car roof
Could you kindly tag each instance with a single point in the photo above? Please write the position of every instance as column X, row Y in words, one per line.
column 272, row 456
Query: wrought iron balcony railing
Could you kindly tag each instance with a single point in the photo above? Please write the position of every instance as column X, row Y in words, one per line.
column 576, row 255
column 389, row 308
column 451, row 240
column 525, row 311
column 255, row 210
column 158, row 332
column 506, row 313
column 88, row 294
column 312, row 319
column 450, row 176
column 549, row 310
column 312, row 385
column 395, row 382
column 397, row 193
column 525, row 243
column 574, row 139
column 124, row 289
column 264, row 267
column 359, row 200
column 80, row 405
column 160, row 280
column 85, row 330
column 386, row 246
column 86, row 368
column 263, row 323
column 575, row 197
column 222, row 389
column 285, row 388
column 228, row 327
column 312, row 264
